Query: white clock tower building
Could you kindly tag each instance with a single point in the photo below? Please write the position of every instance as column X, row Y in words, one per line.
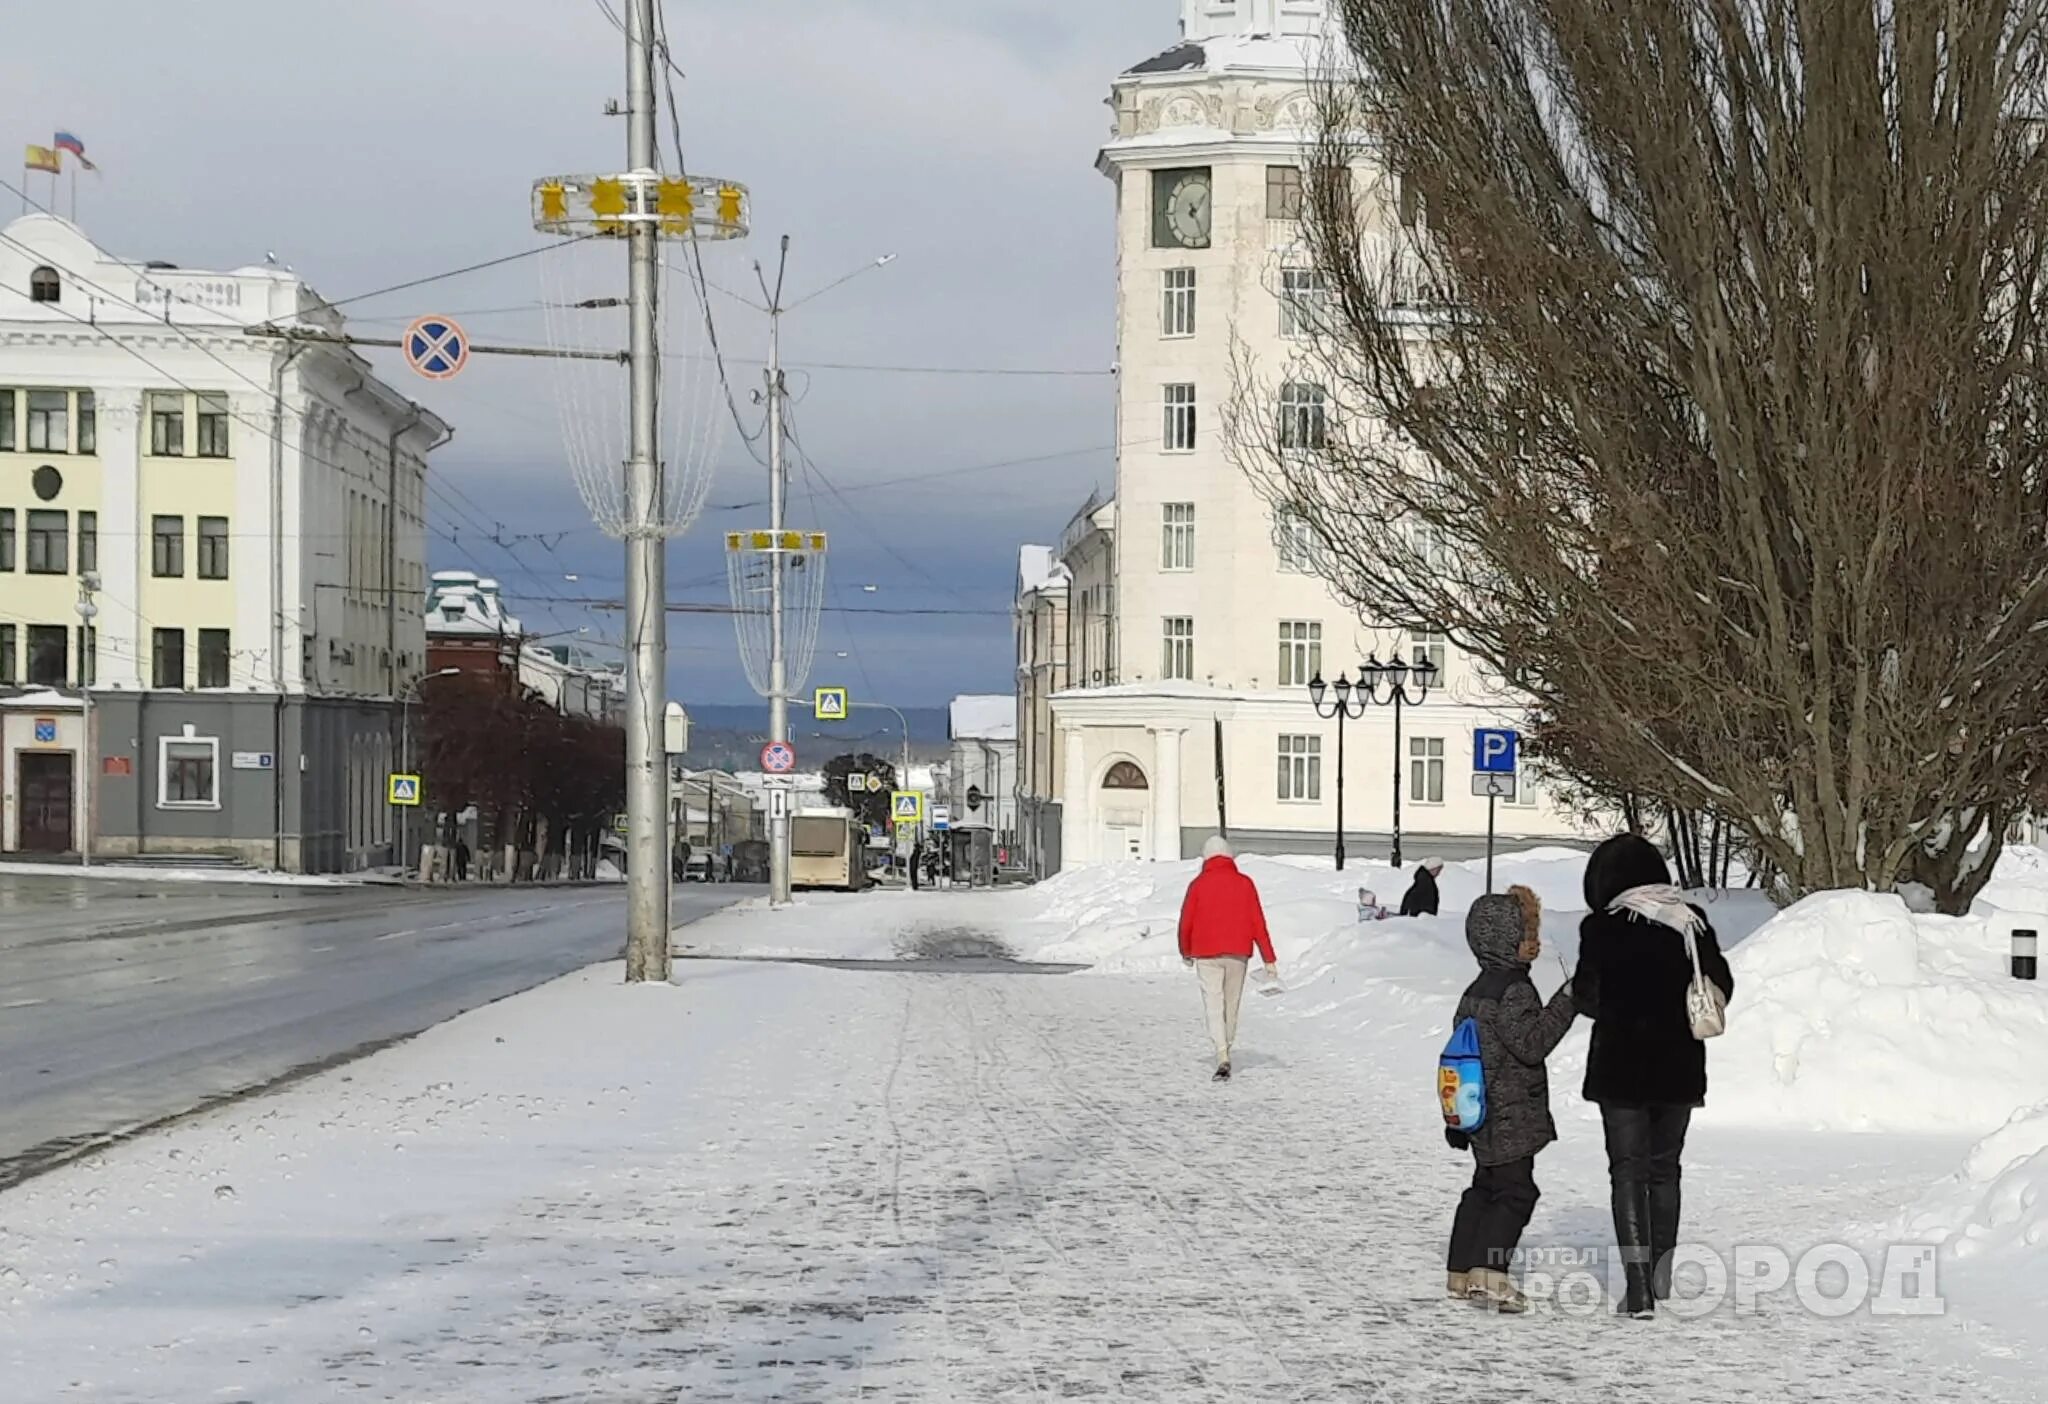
column 1191, row 607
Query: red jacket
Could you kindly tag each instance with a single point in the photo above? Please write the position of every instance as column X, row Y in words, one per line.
column 1221, row 915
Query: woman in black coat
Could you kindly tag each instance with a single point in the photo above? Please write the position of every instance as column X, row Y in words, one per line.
column 1422, row 897
column 1645, row 1068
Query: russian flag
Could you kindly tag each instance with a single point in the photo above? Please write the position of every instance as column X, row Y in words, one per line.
column 66, row 142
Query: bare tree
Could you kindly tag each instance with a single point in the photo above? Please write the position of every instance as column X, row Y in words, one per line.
column 1688, row 371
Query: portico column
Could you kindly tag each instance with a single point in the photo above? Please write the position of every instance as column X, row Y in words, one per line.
column 1077, row 806
column 1166, row 793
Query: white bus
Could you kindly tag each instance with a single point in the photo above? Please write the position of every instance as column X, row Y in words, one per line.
column 828, row 848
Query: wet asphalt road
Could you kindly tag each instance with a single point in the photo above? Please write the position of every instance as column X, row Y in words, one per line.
column 123, row 1003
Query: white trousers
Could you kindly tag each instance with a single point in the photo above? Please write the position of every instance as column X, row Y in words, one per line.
column 1222, row 991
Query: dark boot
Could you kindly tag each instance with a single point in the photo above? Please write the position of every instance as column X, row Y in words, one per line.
column 1632, row 1237
column 1664, row 1204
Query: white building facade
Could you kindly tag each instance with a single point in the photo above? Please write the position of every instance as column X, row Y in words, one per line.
column 253, row 512
column 1195, row 623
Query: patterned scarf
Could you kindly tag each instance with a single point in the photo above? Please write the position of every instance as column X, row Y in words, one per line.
column 1661, row 903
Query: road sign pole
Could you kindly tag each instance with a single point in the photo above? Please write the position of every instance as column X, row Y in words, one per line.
column 647, row 892
column 1491, row 800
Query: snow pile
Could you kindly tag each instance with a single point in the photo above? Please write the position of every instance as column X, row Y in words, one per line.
column 1852, row 1013
column 1997, row 1202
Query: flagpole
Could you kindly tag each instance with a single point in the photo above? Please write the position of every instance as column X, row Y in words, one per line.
column 74, row 190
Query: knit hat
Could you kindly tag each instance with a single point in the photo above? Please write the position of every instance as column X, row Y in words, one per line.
column 1435, row 865
column 1217, row 847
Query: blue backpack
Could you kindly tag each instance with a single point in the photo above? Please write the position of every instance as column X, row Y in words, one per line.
column 1461, row 1080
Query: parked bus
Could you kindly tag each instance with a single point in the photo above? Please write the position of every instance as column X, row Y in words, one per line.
column 828, row 848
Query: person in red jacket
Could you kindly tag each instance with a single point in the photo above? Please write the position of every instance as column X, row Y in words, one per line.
column 1220, row 922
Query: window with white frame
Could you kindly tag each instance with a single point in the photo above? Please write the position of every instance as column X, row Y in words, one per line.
column 1300, row 769
column 188, row 772
column 1426, row 769
column 1304, row 416
column 1178, row 654
column 49, row 421
column 1177, row 308
column 1284, row 194
column 1428, row 645
column 1525, row 782
column 1301, row 652
column 1177, row 536
column 1304, row 301
column 1293, row 540
column 1180, row 419
column 167, row 423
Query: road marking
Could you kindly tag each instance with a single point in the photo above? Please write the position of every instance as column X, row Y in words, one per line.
column 24, row 1004
column 393, row 936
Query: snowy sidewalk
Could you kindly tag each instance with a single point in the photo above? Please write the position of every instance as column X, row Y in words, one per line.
column 780, row 1183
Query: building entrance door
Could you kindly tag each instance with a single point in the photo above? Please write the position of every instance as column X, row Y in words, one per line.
column 44, row 784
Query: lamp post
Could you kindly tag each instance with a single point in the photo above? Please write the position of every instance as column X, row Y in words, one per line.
column 1395, row 675
column 406, row 695
column 88, row 648
column 1343, row 709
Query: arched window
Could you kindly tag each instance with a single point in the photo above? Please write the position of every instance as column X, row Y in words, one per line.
column 43, row 285
column 1125, row 776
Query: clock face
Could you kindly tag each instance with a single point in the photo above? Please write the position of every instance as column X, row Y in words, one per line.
column 1181, row 209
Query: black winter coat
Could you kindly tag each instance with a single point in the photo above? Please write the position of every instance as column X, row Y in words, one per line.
column 1422, row 898
column 1517, row 1032
column 1631, row 982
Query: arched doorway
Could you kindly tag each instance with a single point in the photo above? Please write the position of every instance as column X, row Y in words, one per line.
column 1126, row 810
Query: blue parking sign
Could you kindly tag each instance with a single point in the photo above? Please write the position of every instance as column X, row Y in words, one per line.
column 1494, row 751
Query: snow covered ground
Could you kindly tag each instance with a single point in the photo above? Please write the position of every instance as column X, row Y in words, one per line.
column 778, row 1182
column 102, row 872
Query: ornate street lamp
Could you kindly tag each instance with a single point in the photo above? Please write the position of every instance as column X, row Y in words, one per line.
column 1395, row 677
column 1343, row 707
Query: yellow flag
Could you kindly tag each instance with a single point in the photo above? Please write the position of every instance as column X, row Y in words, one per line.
column 42, row 158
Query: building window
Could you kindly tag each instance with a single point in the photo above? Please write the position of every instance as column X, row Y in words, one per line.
column 6, row 654
column 188, row 772
column 88, row 655
column 1304, row 301
column 213, row 426
column 88, row 423
column 1426, row 769
column 1409, row 206
column 88, row 542
column 47, row 648
column 1301, row 769
column 1180, row 418
column 1177, row 544
column 6, row 421
column 1178, row 660
column 1283, row 192
column 167, row 424
column 1125, row 776
column 1177, row 315
column 45, row 286
column 213, row 548
column 49, row 421
column 1428, row 645
column 1294, row 541
column 49, row 544
column 167, row 547
column 6, row 535
column 1301, row 652
column 167, row 658
column 1304, row 416
column 213, row 658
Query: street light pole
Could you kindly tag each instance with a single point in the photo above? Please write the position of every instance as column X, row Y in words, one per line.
column 647, row 891
column 1342, row 709
column 88, row 648
column 406, row 698
column 1395, row 675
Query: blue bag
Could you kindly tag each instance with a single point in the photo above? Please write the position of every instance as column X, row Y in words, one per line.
column 1461, row 1080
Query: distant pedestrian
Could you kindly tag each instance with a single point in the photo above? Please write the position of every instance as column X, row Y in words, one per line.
column 1221, row 922
column 1422, row 898
column 1646, row 1067
column 1517, row 1032
column 461, row 860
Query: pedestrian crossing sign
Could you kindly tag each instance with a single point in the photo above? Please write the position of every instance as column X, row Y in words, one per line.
column 405, row 790
column 907, row 806
column 830, row 704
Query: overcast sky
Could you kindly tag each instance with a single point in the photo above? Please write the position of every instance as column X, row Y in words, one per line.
column 376, row 141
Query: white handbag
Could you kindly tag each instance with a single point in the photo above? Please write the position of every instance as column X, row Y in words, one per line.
column 1705, row 1006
